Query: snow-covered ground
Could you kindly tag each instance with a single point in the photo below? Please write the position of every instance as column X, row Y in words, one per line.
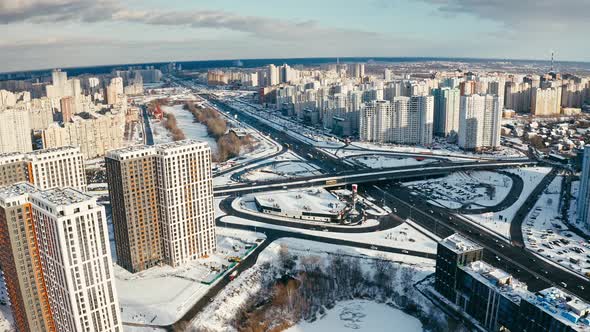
column 377, row 161
column 404, row 236
column 465, row 189
column 190, row 127
column 499, row 222
column 283, row 170
column 144, row 300
column 229, row 301
column 363, row 315
column 226, row 179
column 442, row 149
column 545, row 233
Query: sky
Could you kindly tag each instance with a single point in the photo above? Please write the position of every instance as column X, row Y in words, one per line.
column 40, row 34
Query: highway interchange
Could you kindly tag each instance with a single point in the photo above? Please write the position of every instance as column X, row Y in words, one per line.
column 512, row 257
column 383, row 185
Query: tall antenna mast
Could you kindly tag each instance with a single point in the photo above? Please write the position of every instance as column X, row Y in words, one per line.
column 552, row 61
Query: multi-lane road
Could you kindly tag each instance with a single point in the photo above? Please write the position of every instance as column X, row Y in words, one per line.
column 524, row 264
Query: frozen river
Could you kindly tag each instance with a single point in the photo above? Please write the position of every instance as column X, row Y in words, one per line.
column 361, row 315
column 191, row 129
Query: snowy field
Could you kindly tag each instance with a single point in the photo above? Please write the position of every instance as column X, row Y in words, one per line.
column 546, row 234
column 229, row 301
column 404, row 236
column 499, row 222
column 363, row 315
column 377, row 161
column 185, row 285
column 465, row 189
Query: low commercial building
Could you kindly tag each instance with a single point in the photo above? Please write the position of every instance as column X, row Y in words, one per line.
column 312, row 205
column 497, row 300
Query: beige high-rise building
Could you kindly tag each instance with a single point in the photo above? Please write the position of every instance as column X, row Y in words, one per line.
column 13, row 169
column 21, row 264
column 15, row 131
column 162, row 191
column 133, row 178
column 50, row 168
column 95, row 136
column 406, row 120
column 546, row 102
column 73, row 244
column 480, row 122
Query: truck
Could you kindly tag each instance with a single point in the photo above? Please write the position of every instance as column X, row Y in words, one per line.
column 331, row 182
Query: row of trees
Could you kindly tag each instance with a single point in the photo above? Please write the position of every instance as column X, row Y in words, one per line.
column 301, row 288
column 171, row 124
column 229, row 144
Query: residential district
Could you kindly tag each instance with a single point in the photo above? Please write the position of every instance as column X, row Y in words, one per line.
column 433, row 195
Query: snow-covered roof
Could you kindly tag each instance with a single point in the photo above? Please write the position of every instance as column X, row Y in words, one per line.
column 563, row 306
column 497, row 279
column 316, row 200
column 460, row 244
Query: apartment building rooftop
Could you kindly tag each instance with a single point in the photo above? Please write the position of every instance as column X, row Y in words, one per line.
column 180, row 144
column 459, row 243
column 131, row 152
column 564, row 306
column 63, row 197
column 498, row 279
column 11, row 157
column 67, row 148
column 16, row 190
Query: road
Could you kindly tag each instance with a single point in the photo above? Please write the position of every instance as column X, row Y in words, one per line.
column 364, row 176
column 525, row 208
column 149, row 135
column 523, row 264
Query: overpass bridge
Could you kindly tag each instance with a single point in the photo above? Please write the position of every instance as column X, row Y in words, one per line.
column 365, row 176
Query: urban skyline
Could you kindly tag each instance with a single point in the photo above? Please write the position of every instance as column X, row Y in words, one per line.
column 148, row 31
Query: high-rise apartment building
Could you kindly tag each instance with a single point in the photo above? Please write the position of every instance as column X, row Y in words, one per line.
column 133, row 186
column 15, row 131
column 583, row 201
column 272, row 75
column 446, row 111
column 21, row 264
column 406, row 120
column 358, row 70
column 68, row 108
column 49, row 168
column 480, row 122
column 546, row 102
column 73, row 244
column 162, row 199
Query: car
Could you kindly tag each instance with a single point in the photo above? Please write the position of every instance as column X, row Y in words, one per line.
column 581, row 287
column 405, row 252
column 563, row 284
column 373, row 248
